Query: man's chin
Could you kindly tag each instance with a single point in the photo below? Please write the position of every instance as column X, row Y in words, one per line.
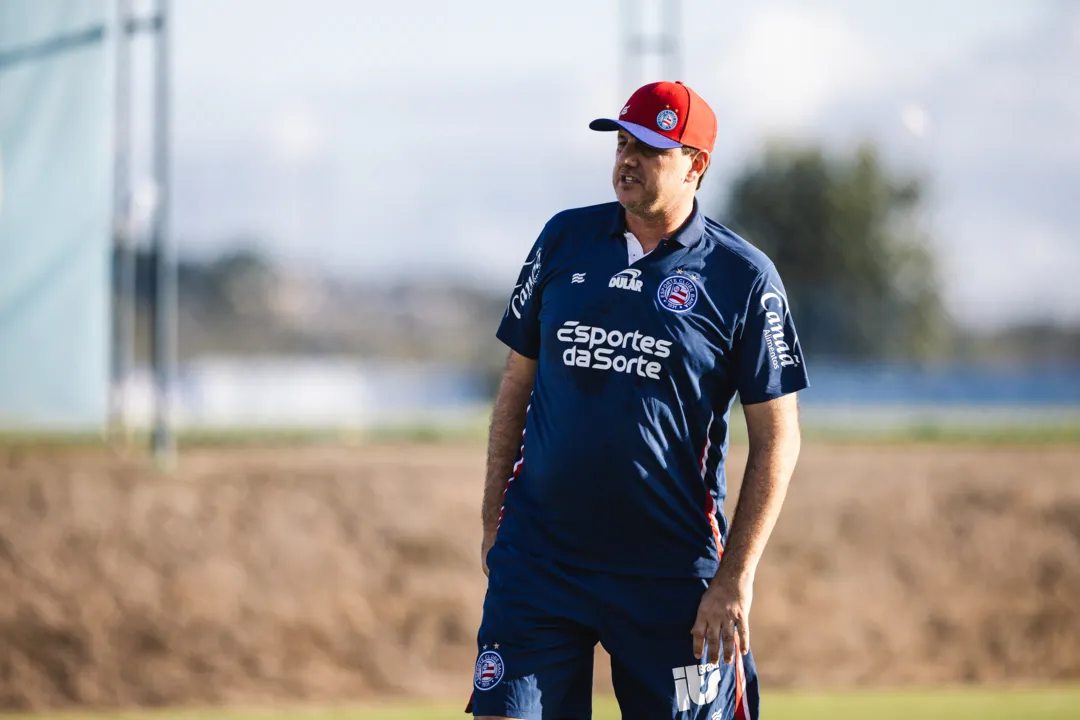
column 632, row 201
column 635, row 205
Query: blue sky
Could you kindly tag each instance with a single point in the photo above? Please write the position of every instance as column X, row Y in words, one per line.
column 434, row 138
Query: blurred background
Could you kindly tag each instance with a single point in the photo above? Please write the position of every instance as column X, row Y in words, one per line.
column 348, row 191
column 253, row 220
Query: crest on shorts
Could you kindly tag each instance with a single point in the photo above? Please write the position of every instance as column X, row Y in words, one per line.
column 667, row 120
column 677, row 293
column 489, row 670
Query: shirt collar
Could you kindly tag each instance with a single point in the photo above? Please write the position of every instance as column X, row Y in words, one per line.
column 688, row 235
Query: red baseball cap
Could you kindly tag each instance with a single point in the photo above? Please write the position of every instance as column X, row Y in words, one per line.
column 665, row 115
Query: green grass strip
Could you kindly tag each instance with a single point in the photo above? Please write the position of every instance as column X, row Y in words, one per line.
column 965, row 704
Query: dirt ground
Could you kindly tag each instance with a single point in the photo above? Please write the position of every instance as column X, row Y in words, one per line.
column 324, row 574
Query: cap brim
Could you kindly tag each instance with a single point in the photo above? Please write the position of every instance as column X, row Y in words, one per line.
column 640, row 132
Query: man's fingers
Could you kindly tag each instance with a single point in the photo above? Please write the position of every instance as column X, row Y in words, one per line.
column 714, row 643
column 744, row 635
column 729, row 641
column 698, row 631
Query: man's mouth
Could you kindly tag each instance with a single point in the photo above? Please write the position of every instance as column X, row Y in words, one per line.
column 627, row 179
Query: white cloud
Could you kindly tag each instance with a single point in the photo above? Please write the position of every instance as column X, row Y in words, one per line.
column 790, row 64
column 915, row 119
column 296, row 134
column 1007, row 160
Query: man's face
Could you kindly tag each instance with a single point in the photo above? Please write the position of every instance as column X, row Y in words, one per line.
column 648, row 180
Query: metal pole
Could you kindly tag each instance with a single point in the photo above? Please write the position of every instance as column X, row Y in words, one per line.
column 629, row 22
column 163, row 347
column 673, row 33
column 640, row 39
column 124, row 300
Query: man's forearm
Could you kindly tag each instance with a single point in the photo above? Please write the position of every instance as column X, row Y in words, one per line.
column 504, row 442
column 768, row 471
column 504, row 439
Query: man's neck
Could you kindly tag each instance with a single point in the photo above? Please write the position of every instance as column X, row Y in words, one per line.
column 649, row 231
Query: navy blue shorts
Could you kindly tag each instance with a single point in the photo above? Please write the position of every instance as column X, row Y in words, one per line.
column 541, row 623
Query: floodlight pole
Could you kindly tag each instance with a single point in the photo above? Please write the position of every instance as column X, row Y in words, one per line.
column 638, row 43
column 163, row 341
column 124, row 299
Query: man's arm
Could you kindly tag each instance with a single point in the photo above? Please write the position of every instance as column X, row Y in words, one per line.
column 775, row 441
column 504, row 441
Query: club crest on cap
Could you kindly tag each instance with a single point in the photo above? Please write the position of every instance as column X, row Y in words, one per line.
column 625, row 110
column 667, row 120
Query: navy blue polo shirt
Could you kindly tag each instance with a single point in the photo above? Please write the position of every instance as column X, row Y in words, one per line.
column 622, row 463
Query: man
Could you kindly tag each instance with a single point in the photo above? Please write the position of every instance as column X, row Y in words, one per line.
column 631, row 329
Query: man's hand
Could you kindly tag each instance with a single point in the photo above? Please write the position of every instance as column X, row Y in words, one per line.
column 773, row 427
column 724, row 610
column 484, row 547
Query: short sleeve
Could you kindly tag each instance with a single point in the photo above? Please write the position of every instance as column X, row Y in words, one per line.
column 769, row 356
column 520, row 326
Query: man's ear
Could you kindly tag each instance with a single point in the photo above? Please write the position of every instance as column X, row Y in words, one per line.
column 700, row 164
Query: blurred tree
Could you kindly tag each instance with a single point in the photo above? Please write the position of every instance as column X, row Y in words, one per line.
column 243, row 280
column 845, row 236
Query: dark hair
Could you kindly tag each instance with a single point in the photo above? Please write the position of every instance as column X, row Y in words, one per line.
column 687, row 150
